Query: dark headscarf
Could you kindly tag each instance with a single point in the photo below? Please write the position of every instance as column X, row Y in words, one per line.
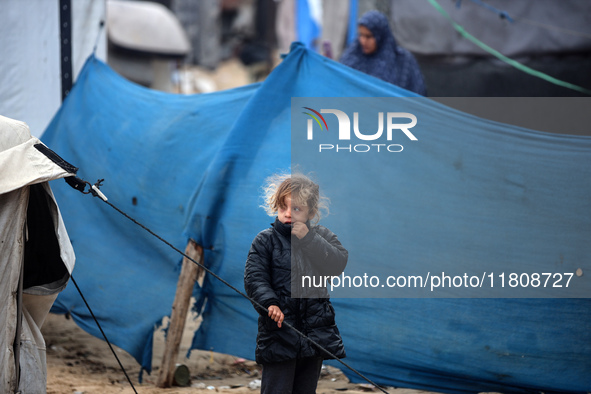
column 389, row 62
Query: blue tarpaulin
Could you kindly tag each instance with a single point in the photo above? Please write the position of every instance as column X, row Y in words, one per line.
column 192, row 167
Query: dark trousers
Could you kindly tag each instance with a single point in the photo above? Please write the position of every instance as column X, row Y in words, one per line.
column 291, row 377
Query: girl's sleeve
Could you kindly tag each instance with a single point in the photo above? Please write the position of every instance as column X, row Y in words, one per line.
column 324, row 249
column 257, row 275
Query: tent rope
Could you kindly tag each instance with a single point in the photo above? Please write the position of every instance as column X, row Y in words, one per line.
column 98, row 36
column 104, row 335
column 528, row 70
column 502, row 14
column 94, row 190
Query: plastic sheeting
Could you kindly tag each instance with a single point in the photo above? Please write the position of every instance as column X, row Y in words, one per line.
column 152, row 149
column 30, row 77
column 193, row 167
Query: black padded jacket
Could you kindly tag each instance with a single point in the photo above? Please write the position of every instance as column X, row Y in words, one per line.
column 268, row 279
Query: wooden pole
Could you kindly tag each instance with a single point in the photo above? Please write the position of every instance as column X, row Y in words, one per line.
column 189, row 273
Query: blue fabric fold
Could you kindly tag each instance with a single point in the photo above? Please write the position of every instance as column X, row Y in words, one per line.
column 192, row 167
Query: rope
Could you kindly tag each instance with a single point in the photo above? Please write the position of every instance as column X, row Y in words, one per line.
column 96, row 192
column 502, row 14
column 98, row 36
column 104, row 336
column 460, row 29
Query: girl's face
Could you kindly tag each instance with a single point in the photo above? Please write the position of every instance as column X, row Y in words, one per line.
column 293, row 213
column 366, row 40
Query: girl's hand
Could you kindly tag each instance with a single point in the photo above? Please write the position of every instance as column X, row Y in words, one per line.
column 299, row 229
column 276, row 314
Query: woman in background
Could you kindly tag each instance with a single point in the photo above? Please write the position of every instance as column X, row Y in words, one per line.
column 376, row 53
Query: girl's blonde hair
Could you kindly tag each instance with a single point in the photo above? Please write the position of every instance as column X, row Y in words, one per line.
column 300, row 188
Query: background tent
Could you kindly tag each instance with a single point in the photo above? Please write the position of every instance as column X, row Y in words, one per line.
column 548, row 36
column 48, row 42
column 36, row 256
column 192, row 167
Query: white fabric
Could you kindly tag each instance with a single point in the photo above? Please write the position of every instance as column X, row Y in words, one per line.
column 21, row 165
column 87, row 33
column 30, row 70
column 24, row 165
column 30, row 86
column 12, row 221
column 33, row 350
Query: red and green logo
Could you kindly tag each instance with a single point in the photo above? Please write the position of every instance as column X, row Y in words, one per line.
column 316, row 118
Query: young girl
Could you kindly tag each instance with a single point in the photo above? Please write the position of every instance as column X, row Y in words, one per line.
column 279, row 256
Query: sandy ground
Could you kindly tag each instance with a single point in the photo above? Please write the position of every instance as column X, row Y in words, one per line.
column 80, row 363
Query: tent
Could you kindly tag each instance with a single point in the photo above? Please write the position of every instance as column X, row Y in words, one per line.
column 470, row 193
column 49, row 42
column 548, row 36
column 36, row 259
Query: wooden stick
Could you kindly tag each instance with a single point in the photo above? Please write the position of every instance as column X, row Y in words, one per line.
column 189, row 273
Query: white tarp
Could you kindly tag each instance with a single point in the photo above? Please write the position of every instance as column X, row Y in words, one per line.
column 30, row 74
column 23, row 165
